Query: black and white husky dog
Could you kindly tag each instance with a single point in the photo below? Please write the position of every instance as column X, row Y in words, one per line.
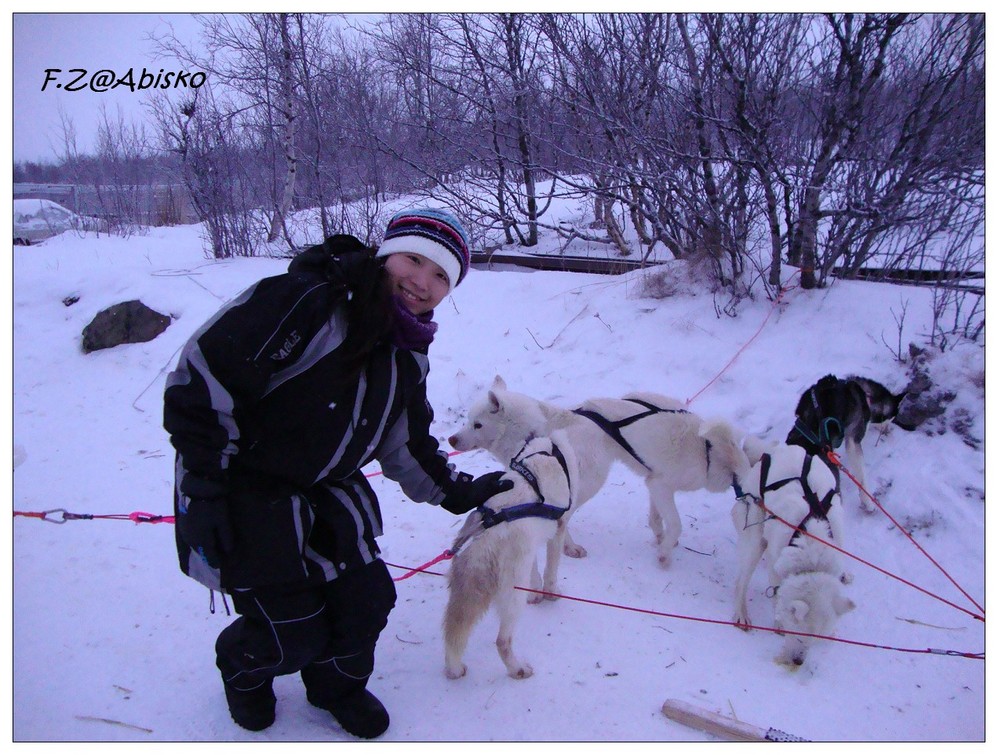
column 836, row 410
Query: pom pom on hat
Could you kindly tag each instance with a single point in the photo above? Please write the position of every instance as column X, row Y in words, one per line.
column 434, row 234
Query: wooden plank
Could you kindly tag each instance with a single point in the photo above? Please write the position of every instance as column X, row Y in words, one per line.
column 722, row 726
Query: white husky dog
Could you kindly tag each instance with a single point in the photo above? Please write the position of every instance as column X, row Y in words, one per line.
column 654, row 436
column 497, row 545
column 789, row 484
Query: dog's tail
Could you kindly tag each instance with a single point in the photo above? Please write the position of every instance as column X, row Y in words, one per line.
column 726, row 461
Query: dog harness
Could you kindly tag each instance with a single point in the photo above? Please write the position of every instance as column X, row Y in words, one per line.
column 613, row 428
column 818, row 508
column 537, row 508
column 830, row 431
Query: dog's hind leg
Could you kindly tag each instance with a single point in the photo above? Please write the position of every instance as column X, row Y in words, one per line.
column 510, row 603
column 465, row 606
column 655, row 522
column 663, row 502
column 536, row 583
column 857, row 466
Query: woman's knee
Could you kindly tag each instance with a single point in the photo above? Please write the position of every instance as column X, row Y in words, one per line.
column 359, row 602
column 278, row 633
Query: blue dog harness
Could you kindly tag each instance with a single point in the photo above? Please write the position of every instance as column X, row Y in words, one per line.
column 537, row 508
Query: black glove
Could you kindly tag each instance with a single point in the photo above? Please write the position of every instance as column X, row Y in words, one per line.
column 469, row 493
column 205, row 526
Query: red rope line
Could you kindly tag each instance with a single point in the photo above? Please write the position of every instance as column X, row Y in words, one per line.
column 776, row 303
column 61, row 516
column 844, row 552
column 447, row 555
column 719, row 622
column 834, row 458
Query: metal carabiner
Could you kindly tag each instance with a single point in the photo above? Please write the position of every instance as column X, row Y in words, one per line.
column 56, row 516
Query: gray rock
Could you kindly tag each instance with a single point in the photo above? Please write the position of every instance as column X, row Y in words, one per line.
column 128, row 322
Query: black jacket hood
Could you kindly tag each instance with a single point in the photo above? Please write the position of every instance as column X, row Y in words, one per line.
column 341, row 258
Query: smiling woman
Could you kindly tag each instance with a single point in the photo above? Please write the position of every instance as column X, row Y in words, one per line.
column 274, row 408
column 426, row 255
column 420, row 283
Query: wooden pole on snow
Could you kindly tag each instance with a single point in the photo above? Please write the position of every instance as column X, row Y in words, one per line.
column 722, row 726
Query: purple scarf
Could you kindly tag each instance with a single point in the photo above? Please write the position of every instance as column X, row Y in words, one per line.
column 412, row 331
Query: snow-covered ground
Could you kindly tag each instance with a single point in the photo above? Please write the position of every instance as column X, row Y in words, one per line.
column 112, row 642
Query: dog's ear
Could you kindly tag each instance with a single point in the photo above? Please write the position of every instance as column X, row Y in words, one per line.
column 754, row 447
column 495, row 405
column 498, row 383
column 843, row 605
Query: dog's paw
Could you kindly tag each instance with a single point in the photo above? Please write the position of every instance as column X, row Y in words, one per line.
column 741, row 621
column 456, row 671
column 534, row 598
column 665, row 558
column 575, row 551
column 523, row 671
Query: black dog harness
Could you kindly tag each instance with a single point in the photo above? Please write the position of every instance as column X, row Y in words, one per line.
column 613, row 428
column 537, row 508
column 818, row 507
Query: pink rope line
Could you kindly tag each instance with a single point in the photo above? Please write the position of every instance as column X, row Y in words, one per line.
column 834, row 458
column 61, row 516
column 854, row 557
column 719, row 622
column 445, row 556
column 776, row 302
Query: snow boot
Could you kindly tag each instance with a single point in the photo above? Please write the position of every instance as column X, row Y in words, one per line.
column 339, row 684
column 359, row 713
column 253, row 709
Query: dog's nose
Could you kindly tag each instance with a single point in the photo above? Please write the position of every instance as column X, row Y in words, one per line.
column 798, row 661
column 453, row 441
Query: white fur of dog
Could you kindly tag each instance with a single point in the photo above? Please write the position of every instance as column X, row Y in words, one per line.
column 805, row 572
column 672, row 443
column 491, row 563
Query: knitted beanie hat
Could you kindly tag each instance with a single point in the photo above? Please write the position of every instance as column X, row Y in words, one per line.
column 434, row 234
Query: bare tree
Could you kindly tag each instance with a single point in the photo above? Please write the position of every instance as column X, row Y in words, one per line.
column 917, row 164
column 286, row 109
column 251, row 58
column 745, row 141
column 214, row 168
column 759, row 56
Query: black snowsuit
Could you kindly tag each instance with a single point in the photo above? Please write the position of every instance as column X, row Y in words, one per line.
column 256, row 421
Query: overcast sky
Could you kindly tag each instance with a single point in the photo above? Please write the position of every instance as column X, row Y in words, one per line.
column 115, row 42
